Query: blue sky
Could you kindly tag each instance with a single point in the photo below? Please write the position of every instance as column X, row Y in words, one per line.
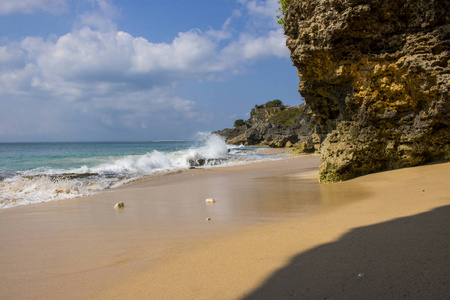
column 100, row 70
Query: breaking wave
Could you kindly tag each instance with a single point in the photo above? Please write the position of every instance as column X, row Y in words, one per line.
column 48, row 184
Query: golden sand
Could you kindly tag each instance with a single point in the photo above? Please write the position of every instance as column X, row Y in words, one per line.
column 274, row 233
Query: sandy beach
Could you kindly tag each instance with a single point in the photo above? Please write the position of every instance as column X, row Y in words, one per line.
column 274, row 233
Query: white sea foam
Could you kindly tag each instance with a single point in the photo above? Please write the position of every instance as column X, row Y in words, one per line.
column 45, row 184
column 19, row 190
column 137, row 164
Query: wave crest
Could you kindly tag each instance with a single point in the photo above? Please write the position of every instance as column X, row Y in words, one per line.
column 44, row 184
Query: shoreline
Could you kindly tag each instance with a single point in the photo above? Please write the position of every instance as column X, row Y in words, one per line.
column 160, row 245
column 20, row 188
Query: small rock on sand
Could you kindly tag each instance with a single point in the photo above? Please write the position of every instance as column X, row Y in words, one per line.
column 210, row 200
column 208, row 219
column 119, row 205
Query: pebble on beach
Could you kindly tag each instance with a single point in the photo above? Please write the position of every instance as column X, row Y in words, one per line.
column 119, row 205
column 208, row 219
column 210, row 200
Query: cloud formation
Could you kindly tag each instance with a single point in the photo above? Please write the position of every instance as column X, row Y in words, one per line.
column 30, row 6
column 117, row 78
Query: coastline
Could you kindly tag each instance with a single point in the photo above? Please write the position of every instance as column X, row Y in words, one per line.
column 160, row 245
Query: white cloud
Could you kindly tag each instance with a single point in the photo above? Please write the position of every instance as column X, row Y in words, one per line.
column 266, row 8
column 118, row 79
column 10, row 56
column 190, row 53
column 263, row 12
column 89, row 62
column 93, row 62
column 101, row 18
column 132, row 109
column 251, row 47
column 30, row 6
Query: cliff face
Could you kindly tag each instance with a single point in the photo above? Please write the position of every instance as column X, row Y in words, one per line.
column 275, row 127
column 375, row 75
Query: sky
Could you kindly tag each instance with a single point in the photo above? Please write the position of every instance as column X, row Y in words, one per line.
column 140, row 70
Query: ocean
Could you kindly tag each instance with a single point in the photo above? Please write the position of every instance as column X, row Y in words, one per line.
column 40, row 172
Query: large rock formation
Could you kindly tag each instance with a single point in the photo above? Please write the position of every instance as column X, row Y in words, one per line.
column 275, row 127
column 376, row 76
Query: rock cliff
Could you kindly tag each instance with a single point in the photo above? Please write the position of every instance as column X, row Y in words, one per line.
column 275, row 127
column 376, row 76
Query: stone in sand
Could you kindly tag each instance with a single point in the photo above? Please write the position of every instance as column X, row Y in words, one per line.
column 208, row 219
column 210, row 200
column 119, row 205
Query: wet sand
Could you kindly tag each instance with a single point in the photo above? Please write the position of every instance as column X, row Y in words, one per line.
column 275, row 150
column 274, row 233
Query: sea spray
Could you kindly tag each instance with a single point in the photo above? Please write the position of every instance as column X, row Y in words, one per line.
column 134, row 164
column 62, row 170
column 213, row 151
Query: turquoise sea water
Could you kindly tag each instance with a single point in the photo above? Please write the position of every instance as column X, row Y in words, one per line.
column 65, row 156
column 40, row 172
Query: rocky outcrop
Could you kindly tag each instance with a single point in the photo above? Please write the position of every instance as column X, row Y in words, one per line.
column 275, row 127
column 376, row 76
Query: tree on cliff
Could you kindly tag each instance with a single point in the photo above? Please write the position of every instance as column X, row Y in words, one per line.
column 274, row 103
column 239, row 123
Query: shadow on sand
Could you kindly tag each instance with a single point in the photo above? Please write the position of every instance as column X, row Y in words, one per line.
column 406, row 258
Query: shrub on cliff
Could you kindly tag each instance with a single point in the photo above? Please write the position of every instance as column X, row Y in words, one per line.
column 289, row 116
column 239, row 123
column 274, row 103
column 284, row 5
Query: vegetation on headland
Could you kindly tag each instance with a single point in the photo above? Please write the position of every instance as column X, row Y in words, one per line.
column 289, row 116
column 239, row 122
column 269, row 104
column 275, row 125
column 283, row 115
column 274, row 103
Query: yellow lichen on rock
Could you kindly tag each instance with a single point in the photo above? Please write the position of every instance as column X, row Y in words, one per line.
column 378, row 87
